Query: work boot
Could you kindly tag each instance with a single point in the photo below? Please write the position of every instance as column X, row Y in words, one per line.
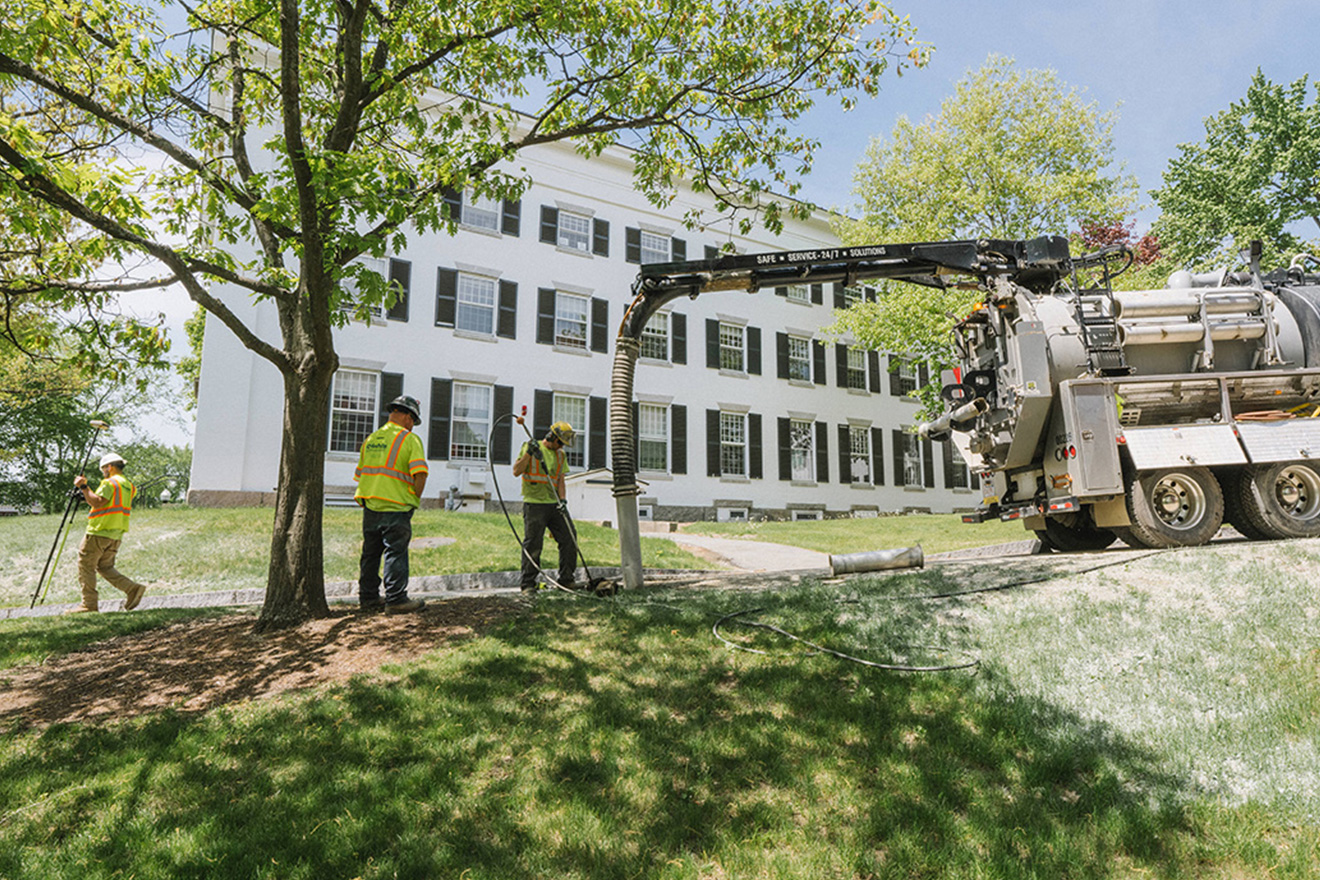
column 405, row 606
column 134, row 596
column 81, row 609
column 372, row 606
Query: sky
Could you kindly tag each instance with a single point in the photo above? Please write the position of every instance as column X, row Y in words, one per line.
column 1164, row 66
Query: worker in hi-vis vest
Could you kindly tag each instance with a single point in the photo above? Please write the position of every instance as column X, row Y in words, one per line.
column 107, row 522
column 391, row 475
column 542, row 467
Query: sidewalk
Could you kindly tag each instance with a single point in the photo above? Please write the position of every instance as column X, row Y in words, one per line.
column 750, row 555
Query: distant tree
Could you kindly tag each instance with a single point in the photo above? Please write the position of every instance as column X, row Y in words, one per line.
column 1256, row 175
column 1011, row 154
column 296, row 137
column 155, row 467
column 189, row 366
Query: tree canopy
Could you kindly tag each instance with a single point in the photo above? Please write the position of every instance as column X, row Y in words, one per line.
column 1256, row 175
column 1011, row 154
column 294, row 137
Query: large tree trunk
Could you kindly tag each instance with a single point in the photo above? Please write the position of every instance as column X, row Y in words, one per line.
column 295, row 586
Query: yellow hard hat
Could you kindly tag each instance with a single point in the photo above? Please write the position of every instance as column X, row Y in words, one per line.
column 563, row 432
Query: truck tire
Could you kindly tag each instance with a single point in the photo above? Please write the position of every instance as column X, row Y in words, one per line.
column 1281, row 500
column 1074, row 533
column 1174, row 507
column 1235, row 513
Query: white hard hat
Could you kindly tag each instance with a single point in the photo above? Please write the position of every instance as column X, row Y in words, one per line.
column 112, row 458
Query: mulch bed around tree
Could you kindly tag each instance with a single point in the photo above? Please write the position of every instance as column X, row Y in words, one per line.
column 196, row 665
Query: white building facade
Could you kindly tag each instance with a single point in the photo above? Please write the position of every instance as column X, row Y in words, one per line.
column 744, row 408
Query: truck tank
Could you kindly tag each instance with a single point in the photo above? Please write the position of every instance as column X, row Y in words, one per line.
column 1153, row 416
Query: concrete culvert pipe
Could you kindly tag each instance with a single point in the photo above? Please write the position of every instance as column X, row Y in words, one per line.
column 878, row 560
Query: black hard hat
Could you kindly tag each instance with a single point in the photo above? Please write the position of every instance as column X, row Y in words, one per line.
column 407, row 404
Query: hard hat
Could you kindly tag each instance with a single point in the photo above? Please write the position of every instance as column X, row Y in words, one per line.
column 112, row 458
column 407, row 404
column 563, row 432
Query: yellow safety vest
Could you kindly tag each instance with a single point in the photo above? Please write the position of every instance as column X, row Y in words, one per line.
column 114, row 516
column 538, row 482
column 387, row 463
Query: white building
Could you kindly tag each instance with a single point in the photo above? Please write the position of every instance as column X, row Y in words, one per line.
column 744, row 409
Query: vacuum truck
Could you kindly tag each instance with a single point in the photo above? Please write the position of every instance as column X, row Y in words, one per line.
column 1088, row 413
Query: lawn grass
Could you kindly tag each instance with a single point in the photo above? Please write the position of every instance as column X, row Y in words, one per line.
column 622, row 740
column 936, row 533
column 193, row 550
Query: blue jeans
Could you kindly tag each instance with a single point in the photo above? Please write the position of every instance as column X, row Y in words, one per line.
column 384, row 533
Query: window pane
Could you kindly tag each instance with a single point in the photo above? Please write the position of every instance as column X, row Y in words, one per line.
column 571, row 320
column 799, row 293
column 800, row 441
column 960, row 477
column 574, row 411
column 912, row 472
column 655, row 248
column 655, row 337
column 859, row 447
column 377, row 265
column 856, row 369
column 574, row 232
column 799, row 358
column 732, row 445
column 481, row 212
column 352, row 410
column 469, row 422
column 731, row 347
column 653, row 436
column 476, row 304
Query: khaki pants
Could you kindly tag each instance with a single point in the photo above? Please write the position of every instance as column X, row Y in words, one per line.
column 96, row 555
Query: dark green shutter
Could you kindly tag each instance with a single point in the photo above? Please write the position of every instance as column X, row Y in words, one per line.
column 600, row 324
column 877, row 456
column 822, row 452
column 678, row 439
column 753, row 350
column 545, row 316
column 755, row 468
column 437, row 440
column 446, row 296
column 712, row 443
column 501, row 447
column 511, row 221
column 818, row 363
column 543, row 412
column 453, row 203
column 818, row 294
column 401, row 280
column 841, row 364
column 840, row 301
column 845, row 456
column 549, row 224
column 391, row 386
column 712, row 344
column 927, row 463
column 781, row 354
column 900, row 476
column 873, row 369
column 947, row 448
column 678, row 250
column 632, row 245
column 600, row 238
column 678, row 338
column 598, row 432
column 507, row 325
column 785, row 449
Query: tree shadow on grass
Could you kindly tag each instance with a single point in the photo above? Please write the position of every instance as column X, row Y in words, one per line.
column 580, row 743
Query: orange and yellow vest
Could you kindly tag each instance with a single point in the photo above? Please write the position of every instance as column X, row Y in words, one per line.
column 387, row 463
column 111, row 521
column 538, row 481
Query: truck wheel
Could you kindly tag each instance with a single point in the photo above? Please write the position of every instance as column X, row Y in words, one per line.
column 1281, row 500
column 1235, row 510
column 1073, row 533
column 1175, row 507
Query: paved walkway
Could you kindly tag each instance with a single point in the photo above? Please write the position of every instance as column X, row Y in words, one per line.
column 749, row 555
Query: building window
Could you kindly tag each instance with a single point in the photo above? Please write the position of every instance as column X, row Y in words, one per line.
column 480, row 212
column 806, row 516
column 653, row 437
column 800, row 293
column 803, row 461
column 906, row 378
column 352, row 409
column 732, row 347
column 733, row 444
column 913, row 470
column 960, row 476
column 857, row 368
column 476, row 304
column 574, row 232
column 799, row 358
column 469, row 422
column 571, row 320
column 859, row 459
column 376, row 265
column 858, row 294
column 655, row 337
column 574, row 411
column 655, row 248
